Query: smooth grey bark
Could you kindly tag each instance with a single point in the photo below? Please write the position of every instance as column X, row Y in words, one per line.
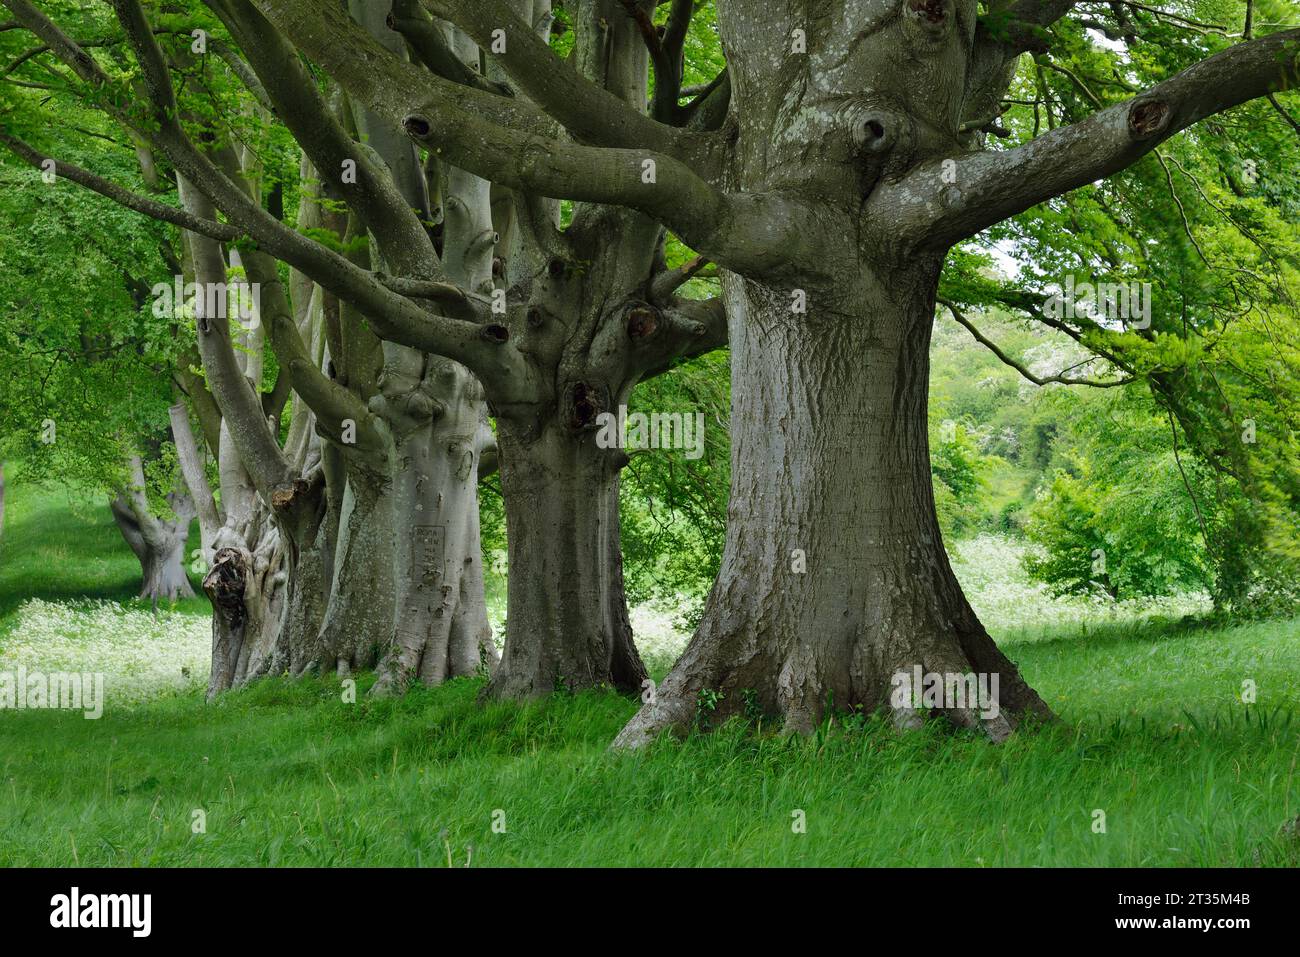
column 288, row 578
column 332, row 622
column 358, row 621
column 588, row 336
column 426, row 514
column 590, row 328
column 157, row 541
column 299, row 646
column 267, row 582
column 196, row 479
column 571, row 334
column 244, row 581
column 582, row 323
column 441, row 628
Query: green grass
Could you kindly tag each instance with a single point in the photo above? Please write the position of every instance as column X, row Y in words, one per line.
column 287, row 773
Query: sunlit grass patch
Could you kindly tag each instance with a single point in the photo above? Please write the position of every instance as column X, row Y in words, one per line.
column 141, row 654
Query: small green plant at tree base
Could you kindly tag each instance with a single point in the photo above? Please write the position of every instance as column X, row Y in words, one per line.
column 706, row 702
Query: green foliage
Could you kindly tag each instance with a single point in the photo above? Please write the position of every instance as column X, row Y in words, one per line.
column 84, row 364
column 1121, row 519
column 1208, row 220
column 673, row 509
column 1130, row 514
column 959, row 472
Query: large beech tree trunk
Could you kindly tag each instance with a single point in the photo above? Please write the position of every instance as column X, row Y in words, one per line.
column 246, row 601
column 437, row 625
column 441, row 629
column 299, row 646
column 565, row 590
column 834, row 575
column 358, row 618
column 246, row 579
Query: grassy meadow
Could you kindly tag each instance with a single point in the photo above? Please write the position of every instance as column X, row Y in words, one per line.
column 1154, row 734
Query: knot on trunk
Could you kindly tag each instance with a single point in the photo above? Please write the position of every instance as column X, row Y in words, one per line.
column 225, row 583
column 641, row 321
column 585, row 402
column 928, row 20
column 408, row 399
column 881, row 137
column 283, row 496
column 873, row 131
column 417, row 126
column 1148, row 118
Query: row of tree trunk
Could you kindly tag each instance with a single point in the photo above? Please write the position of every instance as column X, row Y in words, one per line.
column 351, row 541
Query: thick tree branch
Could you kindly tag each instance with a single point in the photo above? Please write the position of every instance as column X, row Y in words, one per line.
column 665, row 283
column 63, row 46
column 332, row 403
column 686, row 328
column 676, row 28
column 452, row 300
column 740, row 232
column 243, row 71
column 590, row 113
column 146, row 523
column 1020, row 26
column 429, row 43
column 709, row 109
column 665, row 54
column 196, row 480
column 392, row 315
column 241, row 409
column 944, row 201
column 1001, row 35
column 298, row 103
column 320, row 21
column 192, row 386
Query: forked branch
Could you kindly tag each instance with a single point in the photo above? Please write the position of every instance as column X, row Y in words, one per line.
column 1020, row 367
